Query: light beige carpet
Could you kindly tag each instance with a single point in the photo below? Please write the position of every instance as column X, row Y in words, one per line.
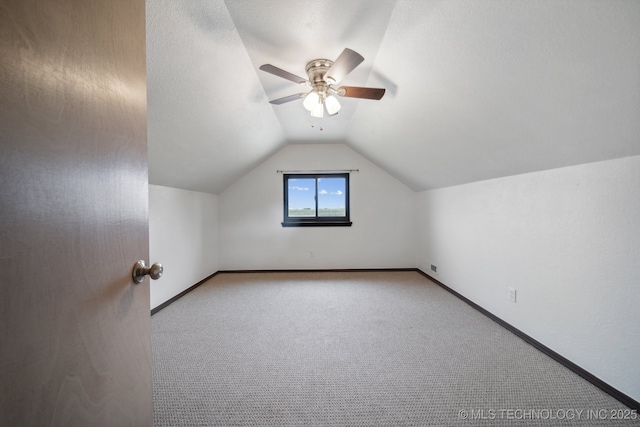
column 354, row 349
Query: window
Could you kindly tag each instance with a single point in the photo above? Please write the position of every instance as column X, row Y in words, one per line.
column 316, row 200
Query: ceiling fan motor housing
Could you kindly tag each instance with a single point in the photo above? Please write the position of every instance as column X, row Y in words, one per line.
column 316, row 70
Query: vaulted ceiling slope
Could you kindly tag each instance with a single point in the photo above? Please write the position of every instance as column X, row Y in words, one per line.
column 475, row 90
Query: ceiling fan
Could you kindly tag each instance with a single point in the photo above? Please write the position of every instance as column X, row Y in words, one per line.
column 323, row 74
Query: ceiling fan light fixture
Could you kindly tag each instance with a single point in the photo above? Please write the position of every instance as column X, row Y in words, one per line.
column 311, row 100
column 323, row 73
column 332, row 104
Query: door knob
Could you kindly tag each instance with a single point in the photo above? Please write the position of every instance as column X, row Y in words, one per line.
column 140, row 270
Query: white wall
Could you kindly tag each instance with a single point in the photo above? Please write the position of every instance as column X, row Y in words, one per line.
column 183, row 236
column 568, row 240
column 251, row 213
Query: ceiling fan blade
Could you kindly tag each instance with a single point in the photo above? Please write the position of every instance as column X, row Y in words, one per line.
column 282, row 73
column 361, row 92
column 346, row 63
column 288, row 98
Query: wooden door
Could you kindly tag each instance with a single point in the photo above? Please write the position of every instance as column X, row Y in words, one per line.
column 74, row 328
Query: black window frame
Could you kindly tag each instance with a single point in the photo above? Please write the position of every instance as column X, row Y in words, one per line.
column 316, row 221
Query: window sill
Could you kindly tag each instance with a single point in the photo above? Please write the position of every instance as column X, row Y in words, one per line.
column 317, row 224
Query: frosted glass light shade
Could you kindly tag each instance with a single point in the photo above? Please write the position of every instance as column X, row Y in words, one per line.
column 318, row 110
column 332, row 104
column 311, row 100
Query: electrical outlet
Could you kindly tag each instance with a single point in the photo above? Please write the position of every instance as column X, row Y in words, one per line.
column 434, row 268
column 512, row 294
column 311, row 254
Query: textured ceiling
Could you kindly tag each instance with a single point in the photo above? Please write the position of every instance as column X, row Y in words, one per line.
column 475, row 90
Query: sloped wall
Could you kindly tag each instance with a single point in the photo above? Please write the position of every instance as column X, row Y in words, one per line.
column 183, row 237
column 251, row 212
column 567, row 240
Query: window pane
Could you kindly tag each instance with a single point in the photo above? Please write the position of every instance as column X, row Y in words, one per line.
column 301, row 194
column 332, row 197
